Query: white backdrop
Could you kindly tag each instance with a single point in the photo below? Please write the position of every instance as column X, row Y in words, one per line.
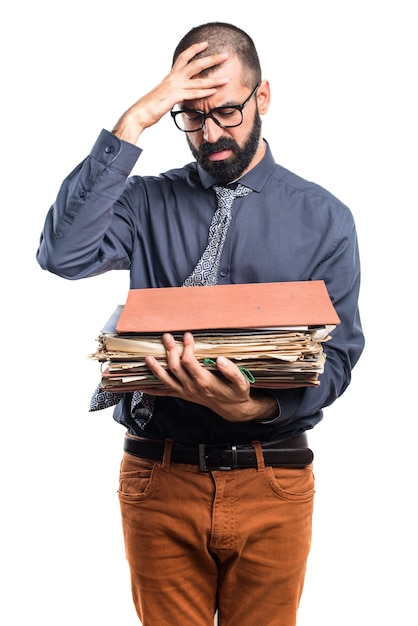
column 343, row 114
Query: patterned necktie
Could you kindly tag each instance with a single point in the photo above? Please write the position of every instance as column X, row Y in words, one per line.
column 206, row 270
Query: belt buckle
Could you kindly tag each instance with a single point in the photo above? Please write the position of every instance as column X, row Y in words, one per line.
column 213, row 457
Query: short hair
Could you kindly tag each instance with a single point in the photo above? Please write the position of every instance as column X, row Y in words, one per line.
column 224, row 37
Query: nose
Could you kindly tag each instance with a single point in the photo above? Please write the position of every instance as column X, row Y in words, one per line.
column 211, row 130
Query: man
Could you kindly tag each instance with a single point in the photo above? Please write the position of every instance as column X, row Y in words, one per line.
column 202, row 539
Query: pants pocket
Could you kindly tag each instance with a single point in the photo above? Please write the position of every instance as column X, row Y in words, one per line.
column 291, row 483
column 137, row 478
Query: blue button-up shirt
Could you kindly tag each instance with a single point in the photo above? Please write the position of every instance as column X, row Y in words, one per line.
column 156, row 227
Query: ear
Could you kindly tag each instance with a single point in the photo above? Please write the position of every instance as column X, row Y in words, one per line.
column 263, row 97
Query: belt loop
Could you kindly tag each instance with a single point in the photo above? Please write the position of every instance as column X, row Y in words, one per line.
column 259, row 455
column 165, row 465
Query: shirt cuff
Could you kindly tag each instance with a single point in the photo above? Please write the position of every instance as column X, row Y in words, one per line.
column 112, row 151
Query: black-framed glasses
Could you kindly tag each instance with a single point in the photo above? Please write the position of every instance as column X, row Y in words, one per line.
column 192, row 120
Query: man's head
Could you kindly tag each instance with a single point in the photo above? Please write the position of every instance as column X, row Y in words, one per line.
column 227, row 153
column 222, row 37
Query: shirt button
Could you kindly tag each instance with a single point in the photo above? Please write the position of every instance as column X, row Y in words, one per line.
column 109, row 149
column 223, row 273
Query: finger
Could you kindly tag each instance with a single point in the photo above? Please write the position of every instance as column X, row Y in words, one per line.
column 188, row 345
column 188, row 54
column 189, row 360
column 185, row 58
column 172, row 348
column 194, row 68
column 196, row 88
column 155, row 367
column 231, row 372
column 181, row 362
column 174, row 356
column 164, row 376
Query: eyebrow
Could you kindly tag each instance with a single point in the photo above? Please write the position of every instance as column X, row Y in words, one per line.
column 220, row 106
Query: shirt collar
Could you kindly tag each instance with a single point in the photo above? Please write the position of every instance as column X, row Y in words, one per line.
column 255, row 179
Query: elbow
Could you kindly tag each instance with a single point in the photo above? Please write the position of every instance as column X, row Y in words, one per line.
column 55, row 263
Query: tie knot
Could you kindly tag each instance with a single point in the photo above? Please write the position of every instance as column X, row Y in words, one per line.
column 228, row 194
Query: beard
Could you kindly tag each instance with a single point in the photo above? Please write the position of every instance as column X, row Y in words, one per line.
column 229, row 169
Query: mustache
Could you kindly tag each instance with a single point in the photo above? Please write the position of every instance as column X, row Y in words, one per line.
column 223, row 143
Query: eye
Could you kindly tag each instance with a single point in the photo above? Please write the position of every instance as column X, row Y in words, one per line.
column 225, row 112
column 191, row 116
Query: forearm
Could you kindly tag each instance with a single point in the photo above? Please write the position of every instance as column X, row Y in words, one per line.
column 131, row 125
column 261, row 406
column 265, row 405
column 76, row 225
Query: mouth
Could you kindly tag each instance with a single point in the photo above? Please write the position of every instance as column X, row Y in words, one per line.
column 220, row 155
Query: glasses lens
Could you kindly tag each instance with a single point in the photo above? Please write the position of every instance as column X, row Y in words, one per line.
column 227, row 117
column 189, row 121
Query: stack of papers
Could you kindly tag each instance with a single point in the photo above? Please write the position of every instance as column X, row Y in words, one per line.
column 249, row 324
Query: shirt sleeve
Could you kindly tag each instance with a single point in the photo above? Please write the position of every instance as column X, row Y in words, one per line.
column 341, row 272
column 74, row 242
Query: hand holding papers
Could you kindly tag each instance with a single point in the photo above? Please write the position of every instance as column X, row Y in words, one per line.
column 249, row 324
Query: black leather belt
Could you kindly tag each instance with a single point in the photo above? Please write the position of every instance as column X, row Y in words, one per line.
column 292, row 452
